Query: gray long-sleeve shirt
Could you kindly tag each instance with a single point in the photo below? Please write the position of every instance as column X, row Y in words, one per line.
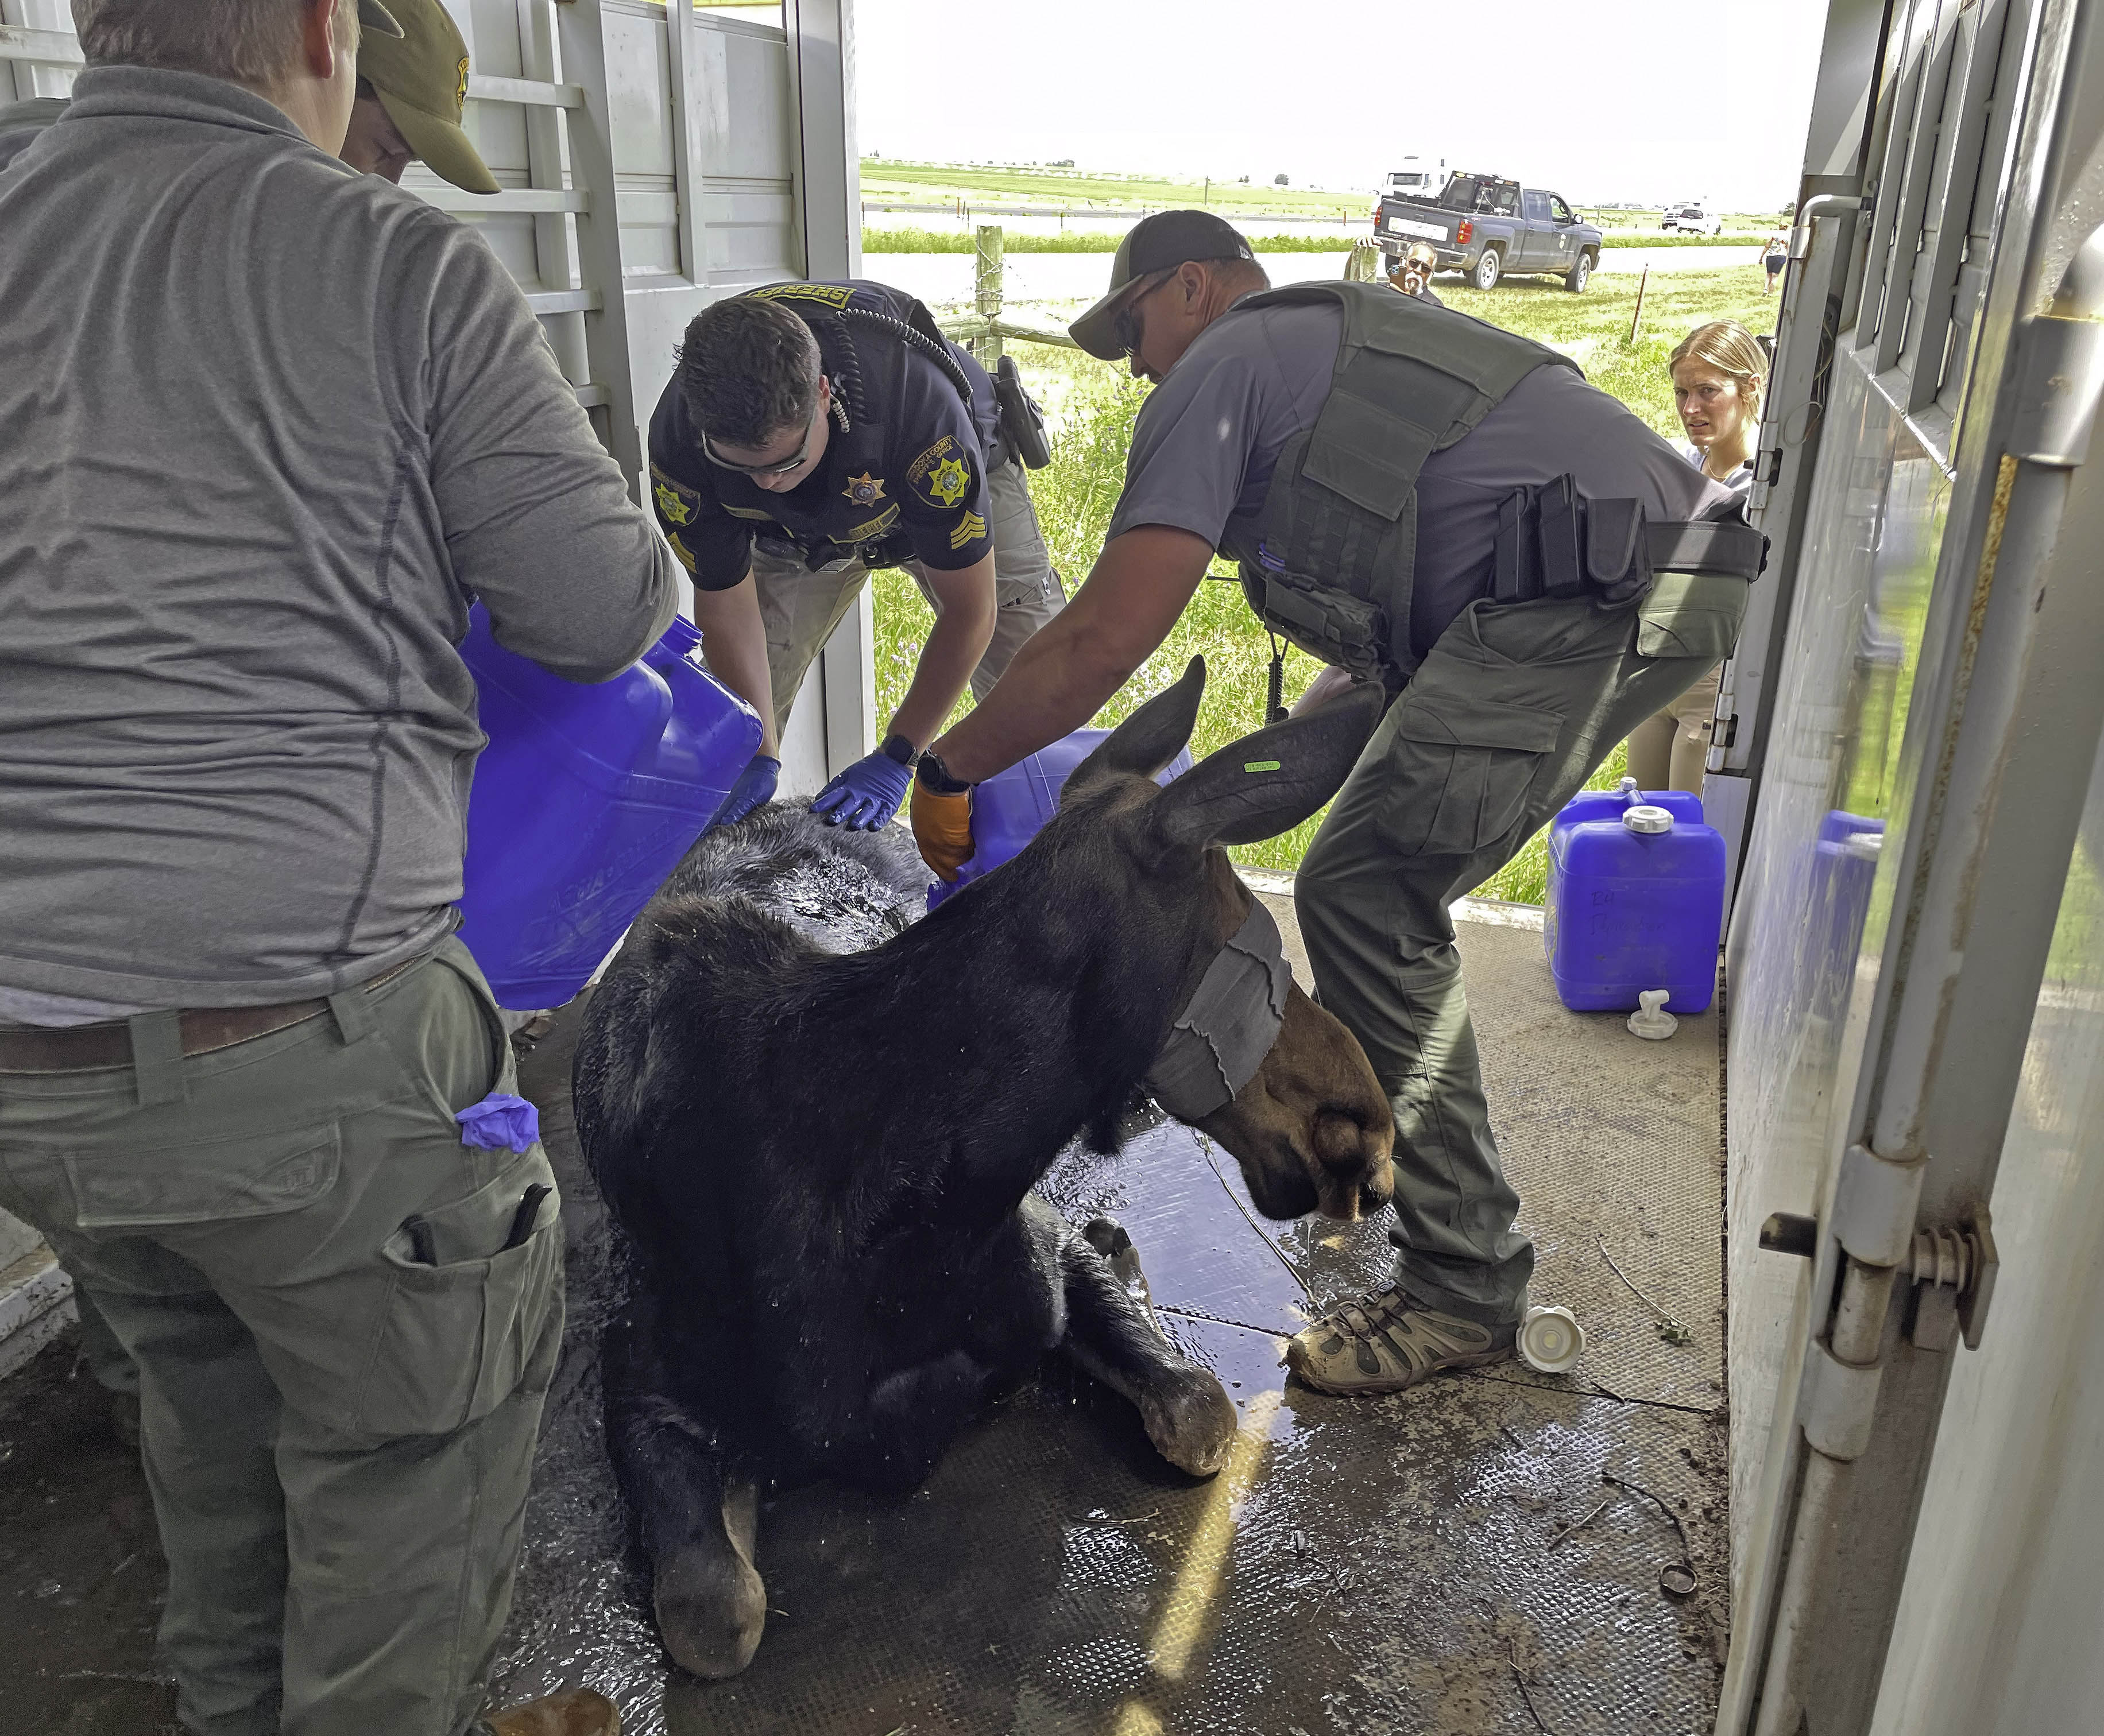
column 266, row 426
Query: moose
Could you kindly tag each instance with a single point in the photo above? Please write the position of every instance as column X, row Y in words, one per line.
column 818, row 1134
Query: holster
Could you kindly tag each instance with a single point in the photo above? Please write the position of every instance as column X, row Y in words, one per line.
column 1554, row 541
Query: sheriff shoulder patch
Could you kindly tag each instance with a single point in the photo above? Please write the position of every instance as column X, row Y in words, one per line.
column 865, row 489
column 970, row 529
column 942, row 475
column 677, row 502
column 832, row 295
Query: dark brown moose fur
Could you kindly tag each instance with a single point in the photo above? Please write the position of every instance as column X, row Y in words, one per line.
column 822, row 1158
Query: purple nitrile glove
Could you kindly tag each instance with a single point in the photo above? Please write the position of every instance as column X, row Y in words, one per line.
column 866, row 795
column 755, row 788
column 498, row 1122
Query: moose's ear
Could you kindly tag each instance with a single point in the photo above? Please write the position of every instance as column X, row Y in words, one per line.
column 1152, row 736
column 1268, row 782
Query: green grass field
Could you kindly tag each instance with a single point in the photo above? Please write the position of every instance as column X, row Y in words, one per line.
column 1092, row 406
column 909, row 239
column 882, row 178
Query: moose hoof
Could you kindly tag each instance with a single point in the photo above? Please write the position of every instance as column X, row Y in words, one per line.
column 1190, row 1419
column 711, row 1608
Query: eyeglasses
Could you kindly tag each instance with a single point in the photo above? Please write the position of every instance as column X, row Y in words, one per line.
column 781, row 468
column 1126, row 327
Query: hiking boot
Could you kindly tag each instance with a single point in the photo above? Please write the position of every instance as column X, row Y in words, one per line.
column 575, row 1712
column 1383, row 1341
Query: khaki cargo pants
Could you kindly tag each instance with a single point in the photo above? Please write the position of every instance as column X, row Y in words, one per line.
column 799, row 608
column 1515, row 708
column 341, row 1361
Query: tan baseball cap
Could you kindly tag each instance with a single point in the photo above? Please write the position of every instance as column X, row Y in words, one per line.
column 422, row 79
column 372, row 15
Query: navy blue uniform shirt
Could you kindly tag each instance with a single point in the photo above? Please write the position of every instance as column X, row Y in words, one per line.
column 905, row 480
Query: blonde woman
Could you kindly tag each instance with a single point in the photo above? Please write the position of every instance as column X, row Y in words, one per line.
column 1719, row 372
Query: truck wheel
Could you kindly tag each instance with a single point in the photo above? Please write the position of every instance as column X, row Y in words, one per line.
column 1574, row 280
column 1488, row 264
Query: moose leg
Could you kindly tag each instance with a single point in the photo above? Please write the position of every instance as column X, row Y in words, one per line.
column 1111, row 1334
column 696, row 1519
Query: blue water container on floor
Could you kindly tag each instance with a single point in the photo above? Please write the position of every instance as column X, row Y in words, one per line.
column 1636, row 898
column 1011, row 807
column 584, row 799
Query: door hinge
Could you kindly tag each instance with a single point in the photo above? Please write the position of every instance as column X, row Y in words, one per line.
column 1952, row 1271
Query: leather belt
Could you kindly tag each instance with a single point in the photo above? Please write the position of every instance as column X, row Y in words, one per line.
column 81, row 1048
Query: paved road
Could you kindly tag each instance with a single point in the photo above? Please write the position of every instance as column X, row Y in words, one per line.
column 946, row 278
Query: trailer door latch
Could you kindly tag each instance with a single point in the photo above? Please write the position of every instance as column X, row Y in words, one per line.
column 1952, row 1271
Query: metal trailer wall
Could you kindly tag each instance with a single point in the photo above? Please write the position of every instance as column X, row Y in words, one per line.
column 725, row 149
column 1914, row 1520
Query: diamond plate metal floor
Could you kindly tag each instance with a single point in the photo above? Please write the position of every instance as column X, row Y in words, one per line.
column 1402, row 1566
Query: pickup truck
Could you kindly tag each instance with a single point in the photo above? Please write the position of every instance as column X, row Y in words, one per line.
column 1489, row 228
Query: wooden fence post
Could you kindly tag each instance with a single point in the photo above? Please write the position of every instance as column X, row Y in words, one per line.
column 986, row 289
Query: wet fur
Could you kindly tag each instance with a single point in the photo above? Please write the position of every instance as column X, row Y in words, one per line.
column 817, row 1121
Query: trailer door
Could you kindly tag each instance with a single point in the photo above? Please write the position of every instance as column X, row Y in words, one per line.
column 1920, row 722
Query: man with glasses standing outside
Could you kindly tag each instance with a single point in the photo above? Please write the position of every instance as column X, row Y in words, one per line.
column 812, row 433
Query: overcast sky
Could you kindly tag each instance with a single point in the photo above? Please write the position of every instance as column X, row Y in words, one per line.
column 1648, row 99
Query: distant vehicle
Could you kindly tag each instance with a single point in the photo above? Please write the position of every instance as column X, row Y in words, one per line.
column 1489, row 228
column 1419, row 178
column 1692, row 219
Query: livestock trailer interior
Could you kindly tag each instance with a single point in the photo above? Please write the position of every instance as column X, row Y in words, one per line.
column 1831, row 1463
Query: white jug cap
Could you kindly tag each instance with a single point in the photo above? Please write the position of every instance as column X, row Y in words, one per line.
column 1551, row 1341
column 1644, row 817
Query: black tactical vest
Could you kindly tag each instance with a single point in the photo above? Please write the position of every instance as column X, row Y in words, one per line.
column 1338, row 538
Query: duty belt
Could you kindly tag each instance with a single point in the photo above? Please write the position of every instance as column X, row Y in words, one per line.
column 1555, row 541
column 76, row 1048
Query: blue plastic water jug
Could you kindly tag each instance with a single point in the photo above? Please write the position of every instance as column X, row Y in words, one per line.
column 584, row 799
column 1636, row 897
column 1011, row 807
column 1844, row 867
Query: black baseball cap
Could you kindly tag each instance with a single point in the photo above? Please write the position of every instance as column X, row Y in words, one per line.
column 1159, row 242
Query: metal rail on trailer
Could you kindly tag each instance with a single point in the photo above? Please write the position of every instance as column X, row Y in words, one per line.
column 1922, row 679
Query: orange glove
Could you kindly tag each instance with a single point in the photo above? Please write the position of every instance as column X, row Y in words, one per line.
column 941, row 824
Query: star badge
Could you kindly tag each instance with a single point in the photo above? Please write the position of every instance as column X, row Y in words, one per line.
column 864, row 489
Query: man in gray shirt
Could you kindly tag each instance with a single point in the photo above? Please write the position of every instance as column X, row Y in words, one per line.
column 267, row 427
column 1516, row 675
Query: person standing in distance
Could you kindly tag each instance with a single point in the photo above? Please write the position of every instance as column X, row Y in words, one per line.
column 1440, row 506
column 814, row 432
column 1719, row 372
column 269, row 426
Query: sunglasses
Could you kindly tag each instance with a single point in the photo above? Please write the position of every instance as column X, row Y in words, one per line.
column 782, row 467
column 1126, row 328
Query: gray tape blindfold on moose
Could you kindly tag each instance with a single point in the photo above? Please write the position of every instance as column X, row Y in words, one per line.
column 1221, row 1038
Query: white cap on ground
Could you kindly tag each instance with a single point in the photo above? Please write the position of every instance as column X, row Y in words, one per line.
column 1551, row 1341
